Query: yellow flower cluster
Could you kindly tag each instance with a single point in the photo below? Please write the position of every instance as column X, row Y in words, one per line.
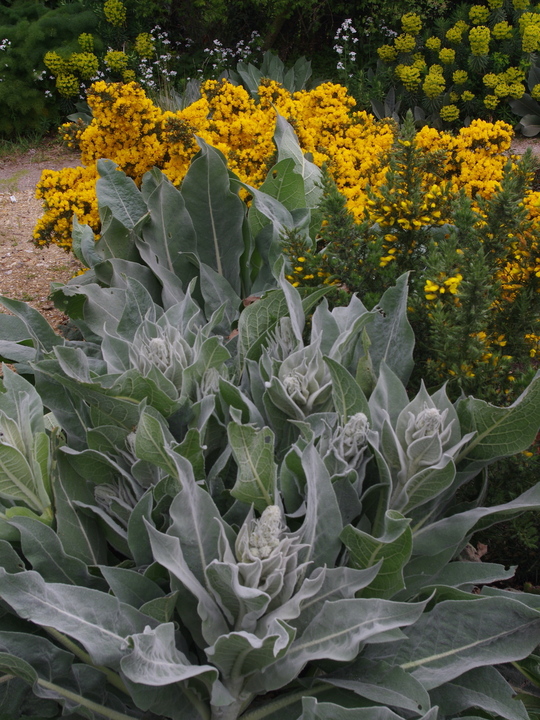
column 433, row 43
column 85, row 64
column 86, row 42
column 449, row 113
column 443, row 284
column 65, row 193
column 67, row 71
column 433, row 84
column 67, row 84
column 388, row 53
column 505, row 84
column 479, row 38
column 401, row 213
column 530, row 41
column 409, row 76
column 534, row 341
column 411, row 23
column 129, row 129
column 144, row 45
column 460, row 77
column 115, row 12
column 405, row 43
column 455, row 33
column 447, row 56
column 491, row 101
column 502, row 31
column 116, row 60
column 478, row 14
column 55, row 63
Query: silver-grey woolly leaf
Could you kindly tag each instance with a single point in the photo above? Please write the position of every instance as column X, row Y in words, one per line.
column 155, row 659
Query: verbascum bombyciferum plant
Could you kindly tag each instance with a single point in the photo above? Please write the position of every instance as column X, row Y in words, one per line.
column 246, row 523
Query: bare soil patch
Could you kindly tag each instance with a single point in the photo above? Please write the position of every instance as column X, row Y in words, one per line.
column 26, row 271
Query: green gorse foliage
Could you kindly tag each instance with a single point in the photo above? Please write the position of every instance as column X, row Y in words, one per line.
column 215, row 524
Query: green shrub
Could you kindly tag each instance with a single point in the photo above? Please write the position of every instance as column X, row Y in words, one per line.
column 26, row 92
column 475, row 297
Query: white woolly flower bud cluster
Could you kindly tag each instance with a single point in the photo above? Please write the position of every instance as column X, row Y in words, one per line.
column 429, row 421
column 163, row 348
column 282, row 342
column 265, row 536
column 267, row 554
column 350, row 442
column 305, row 378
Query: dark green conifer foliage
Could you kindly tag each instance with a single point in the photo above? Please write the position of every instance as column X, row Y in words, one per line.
column 33, row 28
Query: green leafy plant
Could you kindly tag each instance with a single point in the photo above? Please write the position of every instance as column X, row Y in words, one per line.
column 242, row 524
column 294, row 79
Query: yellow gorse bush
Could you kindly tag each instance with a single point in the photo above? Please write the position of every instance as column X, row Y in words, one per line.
column 136, row 134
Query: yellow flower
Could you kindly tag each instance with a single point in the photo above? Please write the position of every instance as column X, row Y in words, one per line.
column 447, row 56
column 115, row 12
column 116, row 60
column 144, row 45
column 479, row 38
column 460, row 77
column 491, row 101
column 86, row 42
column 478, row 14
column 490, row 80
column 433, row 85
column 502, row 31
column 67, row 85
column 449, row 113
column 405, row 43
column 85, row 63
column 56, row 64
column 530, row 40
column 433, row 43
column 388, row 53
column 411, row 23
column 409, row 76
